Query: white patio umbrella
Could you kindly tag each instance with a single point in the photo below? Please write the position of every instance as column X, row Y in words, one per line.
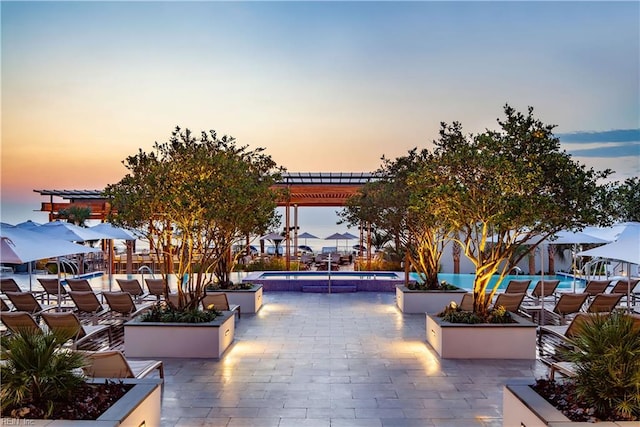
column 19, row 246
column 28, row 224
column 626, row 249
column 306, row 236
column 68, row 231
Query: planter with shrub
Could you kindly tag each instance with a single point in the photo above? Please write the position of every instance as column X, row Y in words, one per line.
column 606, row 388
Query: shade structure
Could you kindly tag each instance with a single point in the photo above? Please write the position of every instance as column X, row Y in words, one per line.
column 112, row 232
column 610, row 233
column 626, row 248
column 68, row 231
column 19, row 245
column 306, row 235
column 28, row 224
column 575, row 238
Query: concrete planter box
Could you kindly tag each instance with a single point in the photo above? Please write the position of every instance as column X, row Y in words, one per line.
column 249, row 300
column 140, row 406
column 151, row 340
column 522, row 406
column 482, row 341
column 433, row 302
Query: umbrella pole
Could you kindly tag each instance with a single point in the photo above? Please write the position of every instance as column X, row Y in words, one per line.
column 59, row 277
column 542, row 287
column 629, row 288
column 30, row 278
column 575, row 249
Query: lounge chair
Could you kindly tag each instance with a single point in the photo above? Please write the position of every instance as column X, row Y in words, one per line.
column 595, row 287
column 4, row 306
column 517, row 286
column 132, row 286
column 122, row 303
column 68, row 321
column 25, row 301
column 79, row 285
column 511, row 302
column 550, row 287
column 156, row 287
column 50, row 287
column 467, row 301
column 604, row 303
column 7, row 284
column 220, row 302
column 88, row 306
column 113, row 364
column 567, row 304
column 17, row 321
column 623, row 285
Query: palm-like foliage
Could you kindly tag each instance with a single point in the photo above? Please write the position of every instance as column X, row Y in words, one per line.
column 36, row 368
column 607, row 354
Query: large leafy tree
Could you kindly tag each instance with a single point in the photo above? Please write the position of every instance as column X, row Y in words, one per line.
column 194, row 198
column 626, row 200
column 502, row 188
column 389, row 204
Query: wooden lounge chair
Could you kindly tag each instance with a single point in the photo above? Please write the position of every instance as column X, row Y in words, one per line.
column 122, row 303
column 50, row 287
column 220, row 302
column 156, row 287
column 595, row 287
column 88, row 306
column 7, row 284
column 25, row 301
column 623, row 285
column 517, row 286
column 604, row 303
column 566, row 305
column 550, row 287
column 17, row 321
column 132, row 286
column 68, row 321
column 113, row 364
column 511, row 302
column 79, row 285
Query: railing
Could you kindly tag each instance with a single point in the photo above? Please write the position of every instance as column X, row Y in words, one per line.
column 141, row 271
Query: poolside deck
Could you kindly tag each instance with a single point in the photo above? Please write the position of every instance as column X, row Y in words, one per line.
column 335, row 360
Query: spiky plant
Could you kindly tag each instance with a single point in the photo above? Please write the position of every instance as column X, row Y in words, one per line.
column 606, row 352
column 37, row 369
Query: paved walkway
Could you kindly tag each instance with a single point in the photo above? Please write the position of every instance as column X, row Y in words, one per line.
column 340, row 360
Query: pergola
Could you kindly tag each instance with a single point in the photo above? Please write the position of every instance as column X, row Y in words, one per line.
column 305, row 189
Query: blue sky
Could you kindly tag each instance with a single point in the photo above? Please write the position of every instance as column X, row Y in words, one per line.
column 323, row 86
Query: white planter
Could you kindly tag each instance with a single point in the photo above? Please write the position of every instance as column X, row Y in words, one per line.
column 522, row 406
column 482, row 341
column 140, row 406
column 412, row 302
column 249, row 300
column 151, row 340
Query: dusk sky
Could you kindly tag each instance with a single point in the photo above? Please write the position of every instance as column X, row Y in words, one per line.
column 323, row 86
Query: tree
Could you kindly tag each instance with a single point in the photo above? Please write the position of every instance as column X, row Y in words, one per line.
column 391, row 205
column 626, row 200
column 194, row 198
column 502, row 188
column 76, row 214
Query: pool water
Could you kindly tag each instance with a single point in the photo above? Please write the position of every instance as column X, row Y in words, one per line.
column 465, row 281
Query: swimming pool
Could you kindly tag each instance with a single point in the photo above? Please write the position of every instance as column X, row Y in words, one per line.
column 465, row 281
column 322, row 281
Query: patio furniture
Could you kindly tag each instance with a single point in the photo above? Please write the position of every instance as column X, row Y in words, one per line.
column 88, row 306
column 122, row 303
column 511, row 302
column 17, row 321
column 132, row 286
column 68, row 321
column 567, row 304
column 604, row 303
column 220, row 302
column 517, row 286
column 156, row 287
column 113, row 364
column 50, row 287
column 550, row 287
column 26, row 301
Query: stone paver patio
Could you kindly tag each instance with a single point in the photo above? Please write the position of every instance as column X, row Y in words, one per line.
column 339, row 360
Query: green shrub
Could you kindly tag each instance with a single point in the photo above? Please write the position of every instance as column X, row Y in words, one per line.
column 36, row 369
column 166, row 313
column 606, row 351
